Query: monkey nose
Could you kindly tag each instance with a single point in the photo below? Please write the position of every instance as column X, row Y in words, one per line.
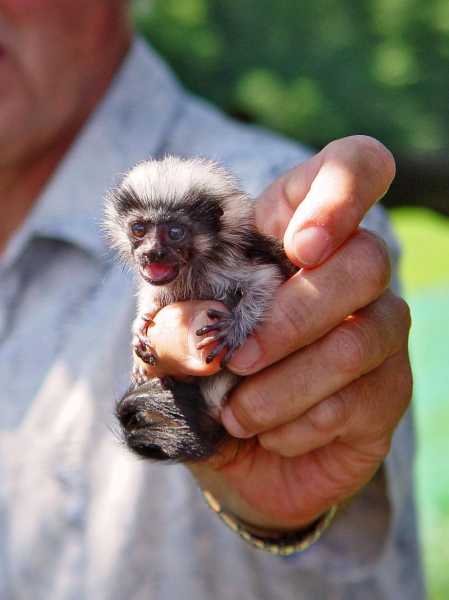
column 156, row 255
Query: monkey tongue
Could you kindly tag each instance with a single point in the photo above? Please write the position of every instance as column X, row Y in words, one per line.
column 161, row 272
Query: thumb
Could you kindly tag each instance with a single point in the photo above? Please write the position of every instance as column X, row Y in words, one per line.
column 319, row 204
column 173, row 337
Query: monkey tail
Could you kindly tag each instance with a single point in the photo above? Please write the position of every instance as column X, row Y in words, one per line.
column 167, row 420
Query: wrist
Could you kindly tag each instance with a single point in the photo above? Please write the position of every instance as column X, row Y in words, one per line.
column 211, row 482
column 278, row 542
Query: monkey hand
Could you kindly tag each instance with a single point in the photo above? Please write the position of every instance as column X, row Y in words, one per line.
column 225, row 338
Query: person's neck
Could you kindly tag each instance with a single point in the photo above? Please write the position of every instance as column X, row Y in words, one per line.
column 20, row 186
column 22, row 183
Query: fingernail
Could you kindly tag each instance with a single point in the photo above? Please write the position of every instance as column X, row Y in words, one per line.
column 312, row 245
column 247, row 356
column 232, row 425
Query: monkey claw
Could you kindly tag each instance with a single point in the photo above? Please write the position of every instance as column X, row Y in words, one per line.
column 224, row 326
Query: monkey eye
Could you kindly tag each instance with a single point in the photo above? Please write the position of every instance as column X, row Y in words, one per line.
column 176, row 232
column 138, row 229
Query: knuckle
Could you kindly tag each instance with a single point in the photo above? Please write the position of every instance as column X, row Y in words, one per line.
column 270, row 442
column 328, row 416
column 407, row 388
column 404, row 383
column 372, row 260
column 404, row 313
column 254, row 410
column 378, row 449
column 377, row 157
column 352, row 203
column 369, row 156
column 291, row 319
column 301, row 386
column 349, row 349
column 384, row 446
column 279, row 442
column 394, row 318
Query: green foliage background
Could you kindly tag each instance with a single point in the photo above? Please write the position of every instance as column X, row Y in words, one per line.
column 315, row 70
column 424, row 238
column 324, row 69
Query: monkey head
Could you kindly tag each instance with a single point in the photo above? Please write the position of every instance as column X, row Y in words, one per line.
column 171, row 216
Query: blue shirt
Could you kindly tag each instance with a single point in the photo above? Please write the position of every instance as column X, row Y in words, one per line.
column 80, row 518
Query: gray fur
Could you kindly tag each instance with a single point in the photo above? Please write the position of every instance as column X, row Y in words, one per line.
column 229, row 261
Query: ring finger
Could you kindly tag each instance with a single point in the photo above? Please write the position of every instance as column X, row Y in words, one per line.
column 356, row 413
column 278, row 395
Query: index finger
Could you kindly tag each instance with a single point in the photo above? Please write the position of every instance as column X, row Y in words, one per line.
column 314, row 301
column 316, row 206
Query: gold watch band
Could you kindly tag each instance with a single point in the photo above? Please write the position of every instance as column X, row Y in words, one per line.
column 285, row 545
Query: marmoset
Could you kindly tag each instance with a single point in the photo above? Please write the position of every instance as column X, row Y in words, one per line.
column 189, row 232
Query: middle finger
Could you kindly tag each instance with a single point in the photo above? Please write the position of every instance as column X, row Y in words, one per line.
column 284, row 392
column 313, row 302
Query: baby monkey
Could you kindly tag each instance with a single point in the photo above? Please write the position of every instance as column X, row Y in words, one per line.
column 189, row 232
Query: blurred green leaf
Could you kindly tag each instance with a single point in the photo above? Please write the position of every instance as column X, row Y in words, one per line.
column 317, row 70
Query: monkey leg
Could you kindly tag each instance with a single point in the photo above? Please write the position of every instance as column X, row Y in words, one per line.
column 142, row 350
column 141, row 370
column 167, row 420
column 145, row 353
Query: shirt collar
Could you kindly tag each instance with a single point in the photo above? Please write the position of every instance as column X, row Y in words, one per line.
column 130, row 124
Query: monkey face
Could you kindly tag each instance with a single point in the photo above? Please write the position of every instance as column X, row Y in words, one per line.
column 171, row 218
column 160, row 250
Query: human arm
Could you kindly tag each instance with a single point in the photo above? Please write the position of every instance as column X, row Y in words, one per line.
column 326, row 434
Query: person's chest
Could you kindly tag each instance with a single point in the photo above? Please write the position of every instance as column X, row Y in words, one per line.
column 64, row 360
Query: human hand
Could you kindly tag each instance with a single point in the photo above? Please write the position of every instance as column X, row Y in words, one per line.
column 332, row 379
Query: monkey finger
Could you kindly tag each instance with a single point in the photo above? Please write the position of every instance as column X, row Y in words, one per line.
column 217, row 326
column 217, row 314
column 211, row 339
column 216, row 351
column 143, row 342
column 147, row 356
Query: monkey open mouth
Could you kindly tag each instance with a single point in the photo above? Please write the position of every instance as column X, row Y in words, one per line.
column 160, row 273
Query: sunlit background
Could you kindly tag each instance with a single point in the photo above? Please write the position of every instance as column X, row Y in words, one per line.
column 324, row 69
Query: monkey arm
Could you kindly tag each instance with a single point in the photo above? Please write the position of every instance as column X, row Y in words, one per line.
column 254, row 296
